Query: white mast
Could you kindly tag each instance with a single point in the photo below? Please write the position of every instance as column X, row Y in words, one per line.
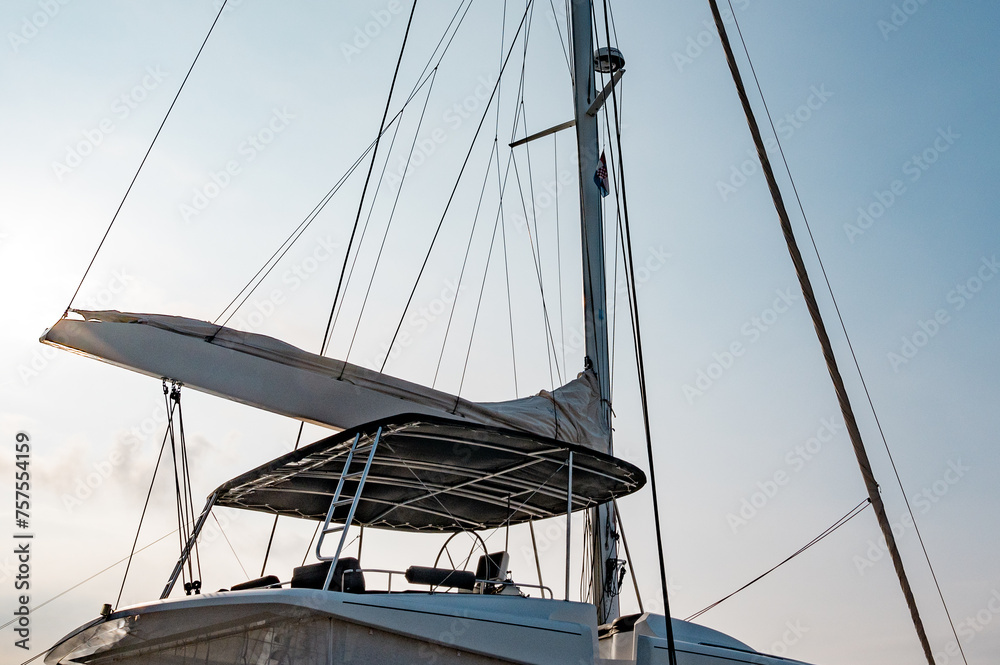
column 604, row 548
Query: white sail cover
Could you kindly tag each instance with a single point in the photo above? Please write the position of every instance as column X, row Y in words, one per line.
column 267, row 373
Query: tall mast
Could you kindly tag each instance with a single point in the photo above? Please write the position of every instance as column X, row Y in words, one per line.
column 604, row 546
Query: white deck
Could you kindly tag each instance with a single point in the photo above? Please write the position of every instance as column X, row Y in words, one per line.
column 304, row 626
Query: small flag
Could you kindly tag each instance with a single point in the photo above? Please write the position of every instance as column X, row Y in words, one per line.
column 601, row 176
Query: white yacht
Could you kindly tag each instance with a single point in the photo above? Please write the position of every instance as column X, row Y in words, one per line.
column 410, row 459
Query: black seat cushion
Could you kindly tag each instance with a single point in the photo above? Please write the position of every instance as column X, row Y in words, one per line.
column 269, row 580
column 313, row 576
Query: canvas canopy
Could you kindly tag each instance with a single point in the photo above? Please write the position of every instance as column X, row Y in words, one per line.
column 432, row 474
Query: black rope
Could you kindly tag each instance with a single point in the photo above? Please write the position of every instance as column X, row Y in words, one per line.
column 640, row 366
column 392, row 217
column 851, row 514
column 618, row 236
column 399, row 191
column 364, row 190
column 809, row 297
column 451, row 197
column 144, row 157
column 286, row 245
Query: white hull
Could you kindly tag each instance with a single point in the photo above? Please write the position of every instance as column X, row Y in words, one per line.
column 308, row 627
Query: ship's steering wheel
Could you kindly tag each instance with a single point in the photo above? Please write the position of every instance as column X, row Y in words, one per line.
column 452, row 550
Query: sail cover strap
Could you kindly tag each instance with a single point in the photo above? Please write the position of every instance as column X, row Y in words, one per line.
column 267, row 373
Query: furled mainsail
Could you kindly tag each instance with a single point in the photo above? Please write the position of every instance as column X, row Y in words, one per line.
column 269, row 374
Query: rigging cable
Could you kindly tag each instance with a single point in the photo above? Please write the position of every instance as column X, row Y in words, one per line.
column 274, row 525
column 451, row 197
column 479, row 301
column 534, row 240
column 78, row 584
column 156, row 468
column 385, row 165
column 231, row 548
column 465, row 259
column 421, row 81
column 392, row 216
column 628, row 556
column 501, row 187
column 432, row 76
column 182, row 487
column 144, row 158
column 850, row 346
column 506, row 268
column 555, row 198
column 243, row 295
column 327, row 336
column 851, row 514
column 268, row 266
column 640, row 366
column 364, row 190
column 824, row 339
column 97, row 574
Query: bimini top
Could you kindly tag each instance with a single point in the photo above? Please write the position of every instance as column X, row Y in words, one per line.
column 434, row 474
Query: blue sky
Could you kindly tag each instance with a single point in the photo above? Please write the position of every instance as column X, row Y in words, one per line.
column 886, row 107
